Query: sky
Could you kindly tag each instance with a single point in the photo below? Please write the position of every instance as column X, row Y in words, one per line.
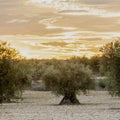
column 59, row 28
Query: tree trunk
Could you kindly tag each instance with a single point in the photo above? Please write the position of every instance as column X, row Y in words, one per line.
column 4, row 99
column 1, row 99
column 69, row 99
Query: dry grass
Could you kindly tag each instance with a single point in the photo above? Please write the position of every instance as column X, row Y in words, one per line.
column 43, row 106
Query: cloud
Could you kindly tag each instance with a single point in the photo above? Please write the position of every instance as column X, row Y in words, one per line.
column 49, row 47
column 61, row 44
column 76, row 7
column 59, row 28
column 56, row 16
column 94, row 2
column 18, row 21
column 91, row 11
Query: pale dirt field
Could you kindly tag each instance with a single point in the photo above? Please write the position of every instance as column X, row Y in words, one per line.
column 43, row 106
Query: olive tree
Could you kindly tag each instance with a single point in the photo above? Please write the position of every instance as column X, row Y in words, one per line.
column 110, row 66
column 68, row 79
column 13, row 77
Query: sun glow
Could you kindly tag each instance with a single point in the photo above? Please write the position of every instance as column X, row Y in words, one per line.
column 62, row 46
column 25, row 53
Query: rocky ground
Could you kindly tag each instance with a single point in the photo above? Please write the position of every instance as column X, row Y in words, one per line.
column 44, row 106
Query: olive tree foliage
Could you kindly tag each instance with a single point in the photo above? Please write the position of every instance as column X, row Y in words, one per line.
column 94, row 63
column 110, row 66
column 40, row 67
column 68, row 79
column 81, row 60
column 39, row 70
column 13, row 73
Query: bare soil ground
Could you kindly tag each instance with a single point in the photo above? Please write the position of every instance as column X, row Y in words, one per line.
column 44, row 106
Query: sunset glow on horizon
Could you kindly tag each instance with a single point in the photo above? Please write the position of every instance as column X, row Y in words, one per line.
column 46, row 29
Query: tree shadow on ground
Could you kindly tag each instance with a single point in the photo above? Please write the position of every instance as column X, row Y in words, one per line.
column 81, row 104
column 113, row 108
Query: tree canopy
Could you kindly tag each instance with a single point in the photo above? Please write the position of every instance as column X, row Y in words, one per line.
column 67, row 79
column 13, row 77
column 110, row 64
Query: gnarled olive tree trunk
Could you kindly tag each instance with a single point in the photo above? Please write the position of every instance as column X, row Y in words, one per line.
column 69, row 99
